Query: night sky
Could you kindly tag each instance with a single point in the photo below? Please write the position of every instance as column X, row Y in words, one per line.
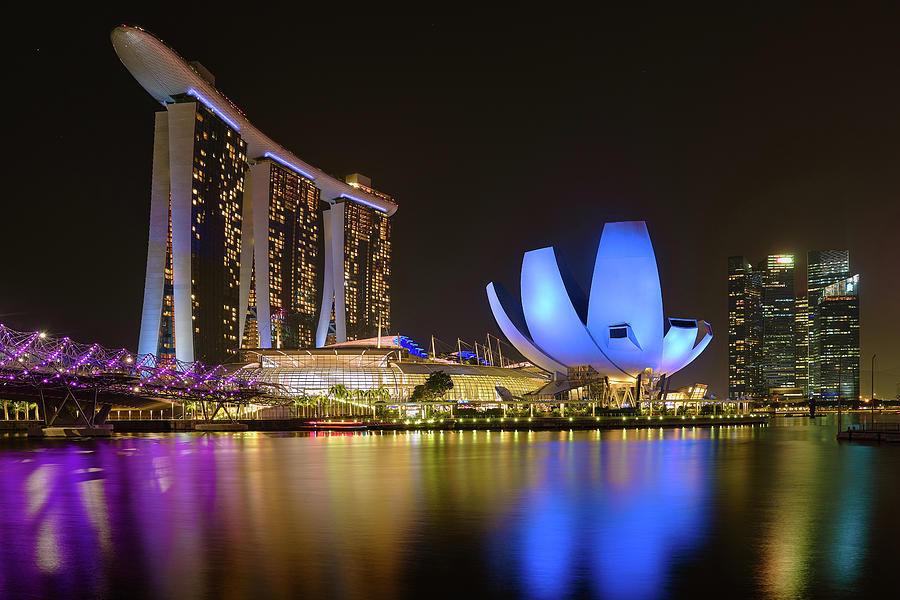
column 772, row 130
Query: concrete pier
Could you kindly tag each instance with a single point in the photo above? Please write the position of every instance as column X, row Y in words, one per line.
column 71, row 431
column 869, row 435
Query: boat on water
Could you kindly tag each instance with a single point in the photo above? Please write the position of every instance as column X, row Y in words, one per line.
column 333, row 426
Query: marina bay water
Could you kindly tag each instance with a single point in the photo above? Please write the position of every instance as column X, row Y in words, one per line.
column 774, row 512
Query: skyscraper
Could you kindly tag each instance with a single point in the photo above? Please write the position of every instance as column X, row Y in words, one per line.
column 195, row 233
column 367, row 268
column 248, row 243
column 835, row 371
column 801, row 345
column 777, row 307
column 743, row 329
column 288, row 258
column 824, row 267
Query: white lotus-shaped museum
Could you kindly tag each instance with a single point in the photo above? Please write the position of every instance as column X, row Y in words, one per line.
column 619, row 330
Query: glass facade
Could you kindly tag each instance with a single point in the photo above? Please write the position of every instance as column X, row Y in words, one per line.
column 314, row 373
column 743, row 329
column 824, row 267
column 778, row 359
column 295, row 261
column 367, row 271
column 835, row 372
column 219, row 159
column 217, row 202
column 251, row 328
column 778, row 341
column 801, row 345
column 166, row 350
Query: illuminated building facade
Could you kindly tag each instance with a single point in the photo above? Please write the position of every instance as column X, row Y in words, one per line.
column 801, row 345
column 744, row 329
column 786, row 341
column 288, row 258
column 824, row 267
column 777, row 301
column 835, row 371
column 247, row 241
column 389, row 367
column 618, row 330
column 367, row 267
column 193, row 261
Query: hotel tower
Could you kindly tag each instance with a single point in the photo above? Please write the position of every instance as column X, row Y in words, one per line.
column 249, row 245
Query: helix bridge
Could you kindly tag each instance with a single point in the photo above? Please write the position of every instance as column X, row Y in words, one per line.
column 84, row 381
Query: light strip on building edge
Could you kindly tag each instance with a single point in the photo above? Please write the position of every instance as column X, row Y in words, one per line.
column 361, row 201
column 290, row 166
column 212, row 107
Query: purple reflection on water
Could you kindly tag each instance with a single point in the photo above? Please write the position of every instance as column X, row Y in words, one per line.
column 81, row 519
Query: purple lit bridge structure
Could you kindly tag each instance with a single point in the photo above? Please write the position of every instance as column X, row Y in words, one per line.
column 78, row 383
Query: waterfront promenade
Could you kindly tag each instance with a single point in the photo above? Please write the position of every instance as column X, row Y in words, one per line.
column 479, row 423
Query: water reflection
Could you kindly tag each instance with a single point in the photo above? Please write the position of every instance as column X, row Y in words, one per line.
column 610, row 517
column 761, row 512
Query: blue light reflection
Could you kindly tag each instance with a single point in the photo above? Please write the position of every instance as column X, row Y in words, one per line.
column 625, row 528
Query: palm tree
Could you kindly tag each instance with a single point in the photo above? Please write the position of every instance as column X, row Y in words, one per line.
column 5, row 404
column 377, row 398
column 339, row 392
column 301, row 400
column 361, row 395
column 372, row 396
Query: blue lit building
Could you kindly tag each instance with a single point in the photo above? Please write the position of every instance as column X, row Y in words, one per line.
column 617, row 333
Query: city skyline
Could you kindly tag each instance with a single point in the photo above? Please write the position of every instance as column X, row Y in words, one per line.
column 625, row 168
column 794, row 347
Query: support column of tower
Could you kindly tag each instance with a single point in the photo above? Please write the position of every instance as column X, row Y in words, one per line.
column 259, row 176
column 181, row 121
column 248, row 235
column 151, row 313
column 333, row 292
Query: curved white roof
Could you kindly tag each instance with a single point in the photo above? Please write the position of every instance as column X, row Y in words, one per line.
column 164, row 74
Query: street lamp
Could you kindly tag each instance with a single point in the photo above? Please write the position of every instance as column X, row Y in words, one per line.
column 873, row 390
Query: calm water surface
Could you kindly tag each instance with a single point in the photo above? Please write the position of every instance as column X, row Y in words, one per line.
column 770, row 512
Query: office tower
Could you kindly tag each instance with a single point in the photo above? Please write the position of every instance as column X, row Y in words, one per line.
column 824, row 267
column 777, row 307
column 801, row 342
column 743, row 329
column 835, row 371
column 248, row 242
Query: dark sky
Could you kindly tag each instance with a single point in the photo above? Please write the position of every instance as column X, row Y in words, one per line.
column 770, row 130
